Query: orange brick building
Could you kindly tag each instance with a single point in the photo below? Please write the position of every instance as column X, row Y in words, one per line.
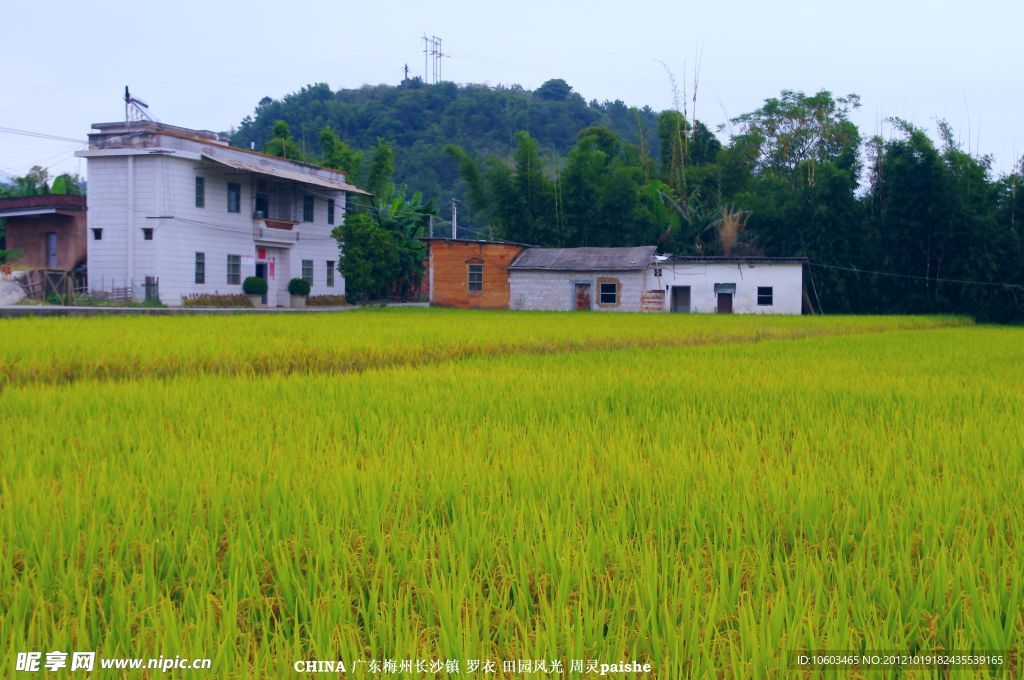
column 470, row 274
column 47, row 231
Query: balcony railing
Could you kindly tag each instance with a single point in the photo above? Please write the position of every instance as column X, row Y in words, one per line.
column 278, row 231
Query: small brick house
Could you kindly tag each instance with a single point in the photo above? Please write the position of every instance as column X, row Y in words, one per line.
column 470, row 274
column 47, row 231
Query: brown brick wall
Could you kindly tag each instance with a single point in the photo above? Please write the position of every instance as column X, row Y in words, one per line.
column 28, row 236
column 450, row 261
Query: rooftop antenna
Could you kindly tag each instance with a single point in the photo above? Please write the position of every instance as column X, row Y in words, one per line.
column 134, row 108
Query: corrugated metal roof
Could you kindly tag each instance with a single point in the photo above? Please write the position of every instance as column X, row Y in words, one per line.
column 585, row 259
column 265, row 167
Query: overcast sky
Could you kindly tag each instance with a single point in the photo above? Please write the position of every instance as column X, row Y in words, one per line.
column 207, row 64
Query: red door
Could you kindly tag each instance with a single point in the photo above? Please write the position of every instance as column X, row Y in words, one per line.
column 582, row 296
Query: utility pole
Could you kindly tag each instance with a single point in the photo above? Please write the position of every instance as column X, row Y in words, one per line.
column 406, row 78
column 455, row 219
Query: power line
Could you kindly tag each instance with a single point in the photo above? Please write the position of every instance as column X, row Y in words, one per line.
column 919, row 278
column 41, row 135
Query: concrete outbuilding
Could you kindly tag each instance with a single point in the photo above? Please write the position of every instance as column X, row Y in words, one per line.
column 564, row 279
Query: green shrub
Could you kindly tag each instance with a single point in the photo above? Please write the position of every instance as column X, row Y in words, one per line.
column 298, row 287
column 254, row 285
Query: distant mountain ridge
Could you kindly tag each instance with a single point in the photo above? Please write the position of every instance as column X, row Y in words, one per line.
column 420, row 119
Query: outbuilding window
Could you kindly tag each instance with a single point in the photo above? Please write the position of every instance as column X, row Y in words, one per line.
column 476, row 278
column 608, row 292
column 764, row 296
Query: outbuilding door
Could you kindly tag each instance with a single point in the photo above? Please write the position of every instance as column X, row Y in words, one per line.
column 582, row 296
column 680, row 298
column 725, row 303
column 51, row 250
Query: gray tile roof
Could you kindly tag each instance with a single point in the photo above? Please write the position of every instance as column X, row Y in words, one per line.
column 585, row 259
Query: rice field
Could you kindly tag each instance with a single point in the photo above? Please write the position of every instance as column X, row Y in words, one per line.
column 706, row 494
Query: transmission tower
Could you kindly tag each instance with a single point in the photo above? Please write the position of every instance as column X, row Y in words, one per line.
column 432, row 55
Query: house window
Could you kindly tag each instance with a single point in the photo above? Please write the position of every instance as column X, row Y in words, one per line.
column 330, row 211
column 608, row 292
column 476, row 278
column 657, row 272
column 764, row 296
column 307, row 271
column 97, row 234
column 234, row 197
column 234, row 270
column 147, row 233
column 200, row 192
column 200, row 267
column 330, row 273
column 307, row 208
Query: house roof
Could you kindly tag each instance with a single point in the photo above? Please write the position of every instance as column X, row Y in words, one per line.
column 49, row 204
column 214, row 147
column 584, row 259
column 265, row 167
column 730, row 259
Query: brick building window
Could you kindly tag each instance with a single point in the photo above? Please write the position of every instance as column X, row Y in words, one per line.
column 476, row 278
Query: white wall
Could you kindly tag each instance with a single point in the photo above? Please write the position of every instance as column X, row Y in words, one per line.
column 785, row 279
column 555, row 291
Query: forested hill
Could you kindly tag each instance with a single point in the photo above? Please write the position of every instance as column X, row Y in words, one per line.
column 420, row 120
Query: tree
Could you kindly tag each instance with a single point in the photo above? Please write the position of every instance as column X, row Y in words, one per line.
column 369, row 258
column 382, row 167
column 282, row 144
column 337, row 155
column 68, row 184
column 800, row 130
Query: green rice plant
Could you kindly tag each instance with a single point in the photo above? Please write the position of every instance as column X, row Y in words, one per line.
column 709, row 507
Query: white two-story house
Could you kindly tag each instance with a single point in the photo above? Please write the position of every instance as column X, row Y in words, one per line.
column 174, row 212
